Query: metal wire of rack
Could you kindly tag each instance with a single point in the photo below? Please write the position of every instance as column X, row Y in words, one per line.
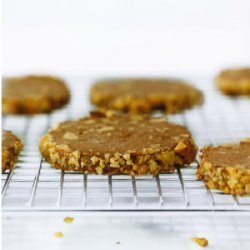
column 34, row 185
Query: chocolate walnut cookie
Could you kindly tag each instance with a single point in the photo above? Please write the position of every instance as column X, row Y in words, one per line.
column 234, row 81
column 33, row 94
column 145, row 95
column 11, row 147
column 226, row 167
column 106, row 143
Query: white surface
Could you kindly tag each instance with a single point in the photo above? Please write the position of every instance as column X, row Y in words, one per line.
column 26, row 231
column 117, row 37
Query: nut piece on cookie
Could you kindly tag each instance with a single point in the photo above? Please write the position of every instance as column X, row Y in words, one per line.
column 117, row 144
column 11, row 147
column 226, row 167
column 33, row 94
column 234, row 81
column 145, row 95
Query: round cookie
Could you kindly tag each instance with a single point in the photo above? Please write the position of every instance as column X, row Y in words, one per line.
column 234, row 81
column 118, row 144
column 226, row 167
column 11, row 147
column 33, row 94
column 145, row 95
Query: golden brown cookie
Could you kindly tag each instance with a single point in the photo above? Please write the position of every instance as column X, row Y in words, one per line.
column 106, row 143
column 33, row 94
column 11, row 147
column 226, row 167
column 234, row 81
column 145, row 95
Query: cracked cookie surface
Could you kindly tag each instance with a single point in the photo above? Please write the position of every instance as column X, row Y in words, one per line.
column 145, row 95
column 33, row 94
column 234, row 81
column 226, row 167
column 11, row 147
column 107, row 143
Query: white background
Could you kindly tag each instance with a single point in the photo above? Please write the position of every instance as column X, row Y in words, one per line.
column 119, row 37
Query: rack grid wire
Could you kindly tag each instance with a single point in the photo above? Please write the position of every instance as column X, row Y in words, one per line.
column 35, row 185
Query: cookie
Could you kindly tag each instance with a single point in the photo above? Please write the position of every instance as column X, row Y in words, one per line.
column 107, row 143
column 145, row 95
column 234, row 81
column 33, row 94
column 226, row 168
column 11, row 147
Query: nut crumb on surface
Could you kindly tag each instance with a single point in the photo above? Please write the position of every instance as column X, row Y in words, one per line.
column 58, row 234
column 203, row 242
column 68, row 219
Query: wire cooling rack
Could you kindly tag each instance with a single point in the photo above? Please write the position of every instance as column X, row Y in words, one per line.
column 35, row 185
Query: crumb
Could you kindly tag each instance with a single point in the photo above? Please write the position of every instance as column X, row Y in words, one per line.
column 68, row 220
column 58, row 234
column 118, row 242
column 203, row 242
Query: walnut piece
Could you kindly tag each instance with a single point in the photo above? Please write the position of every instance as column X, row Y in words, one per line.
column 180, row 147
column 68, row 220
column 105, row 129
column 203, row 242
column 70, row 136
column 58, row 234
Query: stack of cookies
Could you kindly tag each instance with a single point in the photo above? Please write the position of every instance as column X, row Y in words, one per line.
column 121, row 136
